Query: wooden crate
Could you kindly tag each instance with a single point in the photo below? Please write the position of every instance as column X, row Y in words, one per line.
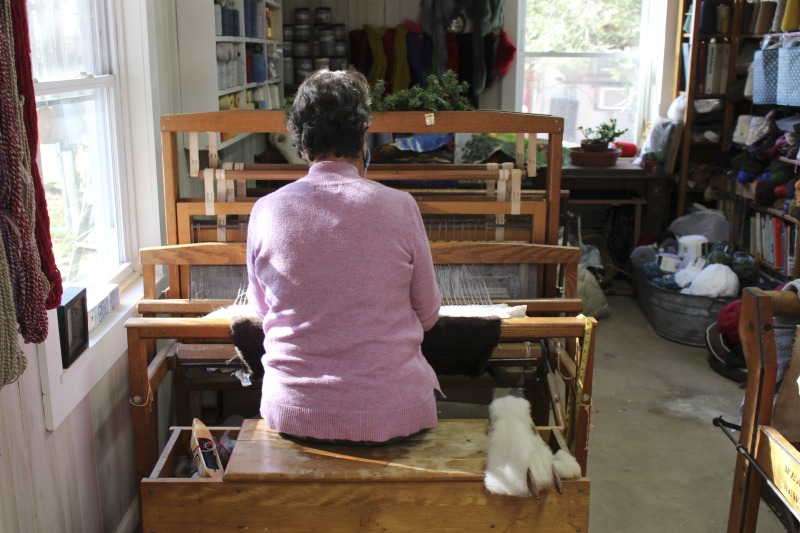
column 430, row 482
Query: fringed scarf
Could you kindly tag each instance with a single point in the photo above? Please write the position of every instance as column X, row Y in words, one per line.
column 23, row 286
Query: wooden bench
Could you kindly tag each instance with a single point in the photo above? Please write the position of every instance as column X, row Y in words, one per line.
column 430, row 482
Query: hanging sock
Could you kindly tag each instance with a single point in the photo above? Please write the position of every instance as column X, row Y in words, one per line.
column 359, row 50
column 379, row 62
column 479, row 11
column 401, row 73
column 506, row 52
column 452, row 52
column 420, row 52
column 388, row 51
column 434, row 17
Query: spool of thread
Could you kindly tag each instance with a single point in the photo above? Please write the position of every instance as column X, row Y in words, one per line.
column 302, row 32
column 690, row 245
column 274, row 97
column 791, row 16
column 339, row 32
column 224, row 103
column 708, row 17
column 754, row 17
column 259, row 99
column 765, row 16
column 340, row 49
column 302, row 15
column 288, row 71
column 780, row 10
column 723, row 18
column 302, row 49
column 288, row 32
column 222, row 75
column 268, row 103
column 223, row 51
column 322, row 15
column 217, row 20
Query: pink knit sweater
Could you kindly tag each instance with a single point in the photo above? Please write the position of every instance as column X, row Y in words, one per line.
column 340, row 271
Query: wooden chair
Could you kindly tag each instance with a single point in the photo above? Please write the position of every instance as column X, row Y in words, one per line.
column 769, row 436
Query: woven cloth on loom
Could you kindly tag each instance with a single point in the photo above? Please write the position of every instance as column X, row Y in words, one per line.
column 454, row 346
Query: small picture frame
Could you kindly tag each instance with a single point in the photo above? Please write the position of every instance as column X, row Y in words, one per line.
column 73, row 324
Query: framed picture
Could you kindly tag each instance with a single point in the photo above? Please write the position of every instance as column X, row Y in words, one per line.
column 73, row 324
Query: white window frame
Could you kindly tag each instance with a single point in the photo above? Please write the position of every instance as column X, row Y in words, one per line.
column 656, row 93
column 139, row 184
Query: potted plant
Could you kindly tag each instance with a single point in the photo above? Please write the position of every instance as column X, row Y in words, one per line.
column 596, row 148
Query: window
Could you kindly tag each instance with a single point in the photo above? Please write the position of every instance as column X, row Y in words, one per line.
column 591, row 60
column 78, row 108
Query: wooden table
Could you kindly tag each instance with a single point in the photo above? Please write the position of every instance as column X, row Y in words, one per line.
column 622, row 184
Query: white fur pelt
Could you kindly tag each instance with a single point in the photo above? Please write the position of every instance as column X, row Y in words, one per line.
column 515, row 447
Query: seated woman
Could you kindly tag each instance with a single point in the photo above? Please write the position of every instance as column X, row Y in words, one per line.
column 341, row 275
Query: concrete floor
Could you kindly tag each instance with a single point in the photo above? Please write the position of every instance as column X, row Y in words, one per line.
column 656, row 462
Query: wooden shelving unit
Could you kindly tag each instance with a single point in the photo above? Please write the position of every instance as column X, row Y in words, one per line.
column 246, row 40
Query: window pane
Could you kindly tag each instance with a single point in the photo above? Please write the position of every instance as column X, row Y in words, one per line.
column 582, row 25
column 77, row 170
column 64, row 39
column 585, row 91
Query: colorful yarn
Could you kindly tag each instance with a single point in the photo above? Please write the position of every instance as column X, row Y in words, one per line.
column 745, row 177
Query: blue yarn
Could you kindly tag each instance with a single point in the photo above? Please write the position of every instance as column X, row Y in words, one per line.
column 745, row 177
column 766, row 176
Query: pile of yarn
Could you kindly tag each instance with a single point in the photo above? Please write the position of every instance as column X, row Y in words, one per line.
column 692, row 265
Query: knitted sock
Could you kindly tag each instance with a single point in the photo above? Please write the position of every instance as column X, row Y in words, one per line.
column 375, row 37
column 388, row 50
column 401, row 73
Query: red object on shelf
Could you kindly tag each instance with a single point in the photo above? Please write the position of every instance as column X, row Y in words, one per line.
column 628, row 149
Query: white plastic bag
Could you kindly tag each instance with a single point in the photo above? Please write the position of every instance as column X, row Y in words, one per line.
column 709, row 223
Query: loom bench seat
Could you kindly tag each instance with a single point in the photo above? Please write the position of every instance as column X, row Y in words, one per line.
column 430, row 482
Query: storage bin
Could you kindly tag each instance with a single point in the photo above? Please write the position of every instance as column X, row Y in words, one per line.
column 678, row 317
column 788, row 92
column 765, row 76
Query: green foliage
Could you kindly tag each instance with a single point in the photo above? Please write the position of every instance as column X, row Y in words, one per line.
column 605, row 132
column 481, row 146
column 582, row 26
column 445, row 94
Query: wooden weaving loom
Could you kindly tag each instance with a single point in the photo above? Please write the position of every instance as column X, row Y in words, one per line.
column 206, row 340
column 172, row 333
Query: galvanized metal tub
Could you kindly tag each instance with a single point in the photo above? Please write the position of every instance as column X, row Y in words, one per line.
column 678, row 317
